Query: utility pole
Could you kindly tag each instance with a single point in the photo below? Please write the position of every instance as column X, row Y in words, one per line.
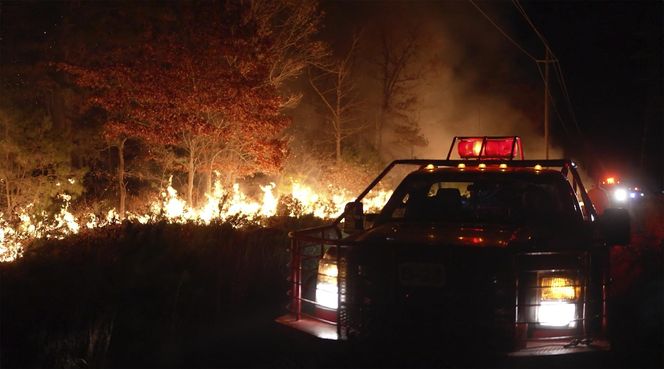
column 546, row 103
column 546, row 61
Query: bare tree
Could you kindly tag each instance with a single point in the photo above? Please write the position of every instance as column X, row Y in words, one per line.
column 397, row 77
column 335, row 86
column 291, row 25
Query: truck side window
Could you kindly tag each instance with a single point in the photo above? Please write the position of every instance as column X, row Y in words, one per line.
column 400, row 211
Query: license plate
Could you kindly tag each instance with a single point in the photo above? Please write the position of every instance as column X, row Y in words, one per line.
column 421, row 274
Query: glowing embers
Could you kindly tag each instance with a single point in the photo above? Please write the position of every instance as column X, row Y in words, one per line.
column 557, row 301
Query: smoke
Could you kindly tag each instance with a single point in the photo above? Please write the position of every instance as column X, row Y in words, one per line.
column 474, row 82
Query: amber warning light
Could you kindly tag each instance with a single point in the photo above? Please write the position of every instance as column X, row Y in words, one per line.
column 489, row 147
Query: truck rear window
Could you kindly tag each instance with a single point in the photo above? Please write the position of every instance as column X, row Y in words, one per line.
column 484, row 200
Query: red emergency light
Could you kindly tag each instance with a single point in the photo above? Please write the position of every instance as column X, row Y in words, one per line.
column 469, row 148
column 488, row 147
column 610, row 181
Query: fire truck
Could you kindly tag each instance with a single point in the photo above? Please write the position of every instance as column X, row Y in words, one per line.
column 620, row 194
column 483, row 247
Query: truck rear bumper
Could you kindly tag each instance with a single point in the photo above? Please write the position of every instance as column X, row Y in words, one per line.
column 310, row 326
column 328, row 331
column 559, row 347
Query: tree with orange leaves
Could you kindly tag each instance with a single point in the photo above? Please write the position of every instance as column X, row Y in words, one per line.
column 207, row 78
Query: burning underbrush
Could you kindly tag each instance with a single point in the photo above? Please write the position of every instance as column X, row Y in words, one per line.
column 231, row 205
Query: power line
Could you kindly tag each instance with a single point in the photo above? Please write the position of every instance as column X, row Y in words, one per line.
column 563, row 87
column 521, row 10
column 556, row 63
column 553, row 103
column 586, row 144
column 545, row 78
column 502, row 31
column 560, row 77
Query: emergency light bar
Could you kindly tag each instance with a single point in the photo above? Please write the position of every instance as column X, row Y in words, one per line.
column 487, row 147
column 610, row 181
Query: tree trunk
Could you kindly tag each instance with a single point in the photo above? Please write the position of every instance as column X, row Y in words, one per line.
column 9, row 197
column 230, row 179
column 376, row 130
column 7, row 188
column 337, row 140
column 58, row 112
column 379, row 129
column 190, row 179
column 208, row 179
column 379, row 139
column 121, row 178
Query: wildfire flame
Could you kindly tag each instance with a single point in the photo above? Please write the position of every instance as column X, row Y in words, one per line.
column 222, row 204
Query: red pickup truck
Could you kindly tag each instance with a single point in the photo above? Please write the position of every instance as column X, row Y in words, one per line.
column 489, row 248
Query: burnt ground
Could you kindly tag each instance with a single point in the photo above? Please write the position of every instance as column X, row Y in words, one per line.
column 191, row 296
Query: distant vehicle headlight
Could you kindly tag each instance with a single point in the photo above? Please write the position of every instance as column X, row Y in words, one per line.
column 620, row 194
column 557, row 302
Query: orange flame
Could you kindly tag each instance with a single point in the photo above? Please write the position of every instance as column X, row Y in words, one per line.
column 221, row 204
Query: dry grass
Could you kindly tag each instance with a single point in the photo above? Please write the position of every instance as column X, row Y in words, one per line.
column 138, row 295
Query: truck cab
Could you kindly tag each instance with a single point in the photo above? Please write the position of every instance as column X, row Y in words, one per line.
column 489, row 248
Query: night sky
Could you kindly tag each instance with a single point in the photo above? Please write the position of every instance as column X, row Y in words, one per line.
column 611, row 53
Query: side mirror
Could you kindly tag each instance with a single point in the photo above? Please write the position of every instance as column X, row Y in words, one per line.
column 353, row 217
column 614, row 224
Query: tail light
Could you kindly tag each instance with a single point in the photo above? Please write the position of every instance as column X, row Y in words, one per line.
column 558, row 301
column 327, row 290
